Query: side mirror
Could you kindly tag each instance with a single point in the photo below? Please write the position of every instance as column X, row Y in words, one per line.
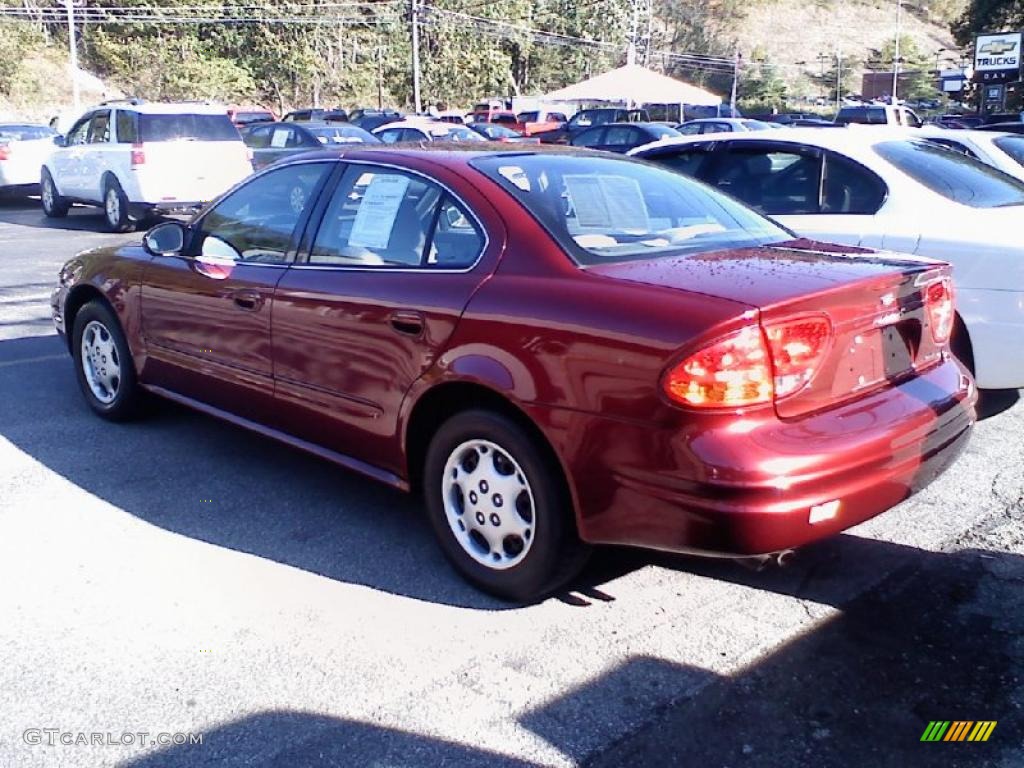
column 59, row 141
column 166, row 239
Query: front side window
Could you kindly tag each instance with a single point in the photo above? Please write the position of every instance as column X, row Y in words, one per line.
column 689, row 129
column 79, row 134
column 99, row 129
column 775, row 182
column 259, row 219
column 257, row 138
column 620, row 136
column 956, row 177
column 604, row 210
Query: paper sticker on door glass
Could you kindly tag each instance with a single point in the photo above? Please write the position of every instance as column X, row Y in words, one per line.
column 378, row 210
column 607, row 202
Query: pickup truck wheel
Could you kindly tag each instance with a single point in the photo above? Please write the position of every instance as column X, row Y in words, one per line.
column 499, row 507
column 54, row 206
column 115, row 207
column 104, row 365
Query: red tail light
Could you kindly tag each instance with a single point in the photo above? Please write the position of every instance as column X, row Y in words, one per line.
column 734, row 371
column 138, row 155
column 797, row 348
column 938, row 300
column 5, row 152
column 752, row 366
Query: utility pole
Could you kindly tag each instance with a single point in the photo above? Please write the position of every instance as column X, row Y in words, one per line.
column 415, row 16
column 73, row 54
column 735, row 83
column 896, row 56
column 839, row 79
column 380, row 77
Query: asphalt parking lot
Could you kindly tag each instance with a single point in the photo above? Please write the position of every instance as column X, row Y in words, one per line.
column 180, row 575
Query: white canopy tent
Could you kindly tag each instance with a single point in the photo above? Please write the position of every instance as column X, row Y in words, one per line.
column 633, row 84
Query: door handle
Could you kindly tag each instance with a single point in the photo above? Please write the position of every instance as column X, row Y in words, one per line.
column 248, row 300
column 407, row 322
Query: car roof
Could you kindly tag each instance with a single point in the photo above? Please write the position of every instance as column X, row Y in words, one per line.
column 849, row 138
column 444, row 153
column 174, row 108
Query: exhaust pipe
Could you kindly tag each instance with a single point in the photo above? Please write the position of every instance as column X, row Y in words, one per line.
column 758, row 563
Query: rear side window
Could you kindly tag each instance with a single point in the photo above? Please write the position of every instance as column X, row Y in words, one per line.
column 956, row 177
column 590, row 138
column 620, row 135
column 1013, row 146
column 186, row 126
column 127, row 130
column 378, row 217
column 850, row 188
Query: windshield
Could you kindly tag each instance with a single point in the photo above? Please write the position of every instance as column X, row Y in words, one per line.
column 448, row 132
column 25, row 132
column 955, row 176
column 185, row 126
column 605, row 210
column 1011, row 145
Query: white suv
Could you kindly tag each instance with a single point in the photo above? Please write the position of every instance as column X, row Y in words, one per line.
column 139, row 160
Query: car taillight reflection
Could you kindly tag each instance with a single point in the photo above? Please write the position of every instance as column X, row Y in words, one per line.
column 752, row 366
column 938, row 299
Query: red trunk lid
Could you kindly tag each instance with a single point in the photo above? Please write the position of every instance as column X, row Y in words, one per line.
column 875, row 303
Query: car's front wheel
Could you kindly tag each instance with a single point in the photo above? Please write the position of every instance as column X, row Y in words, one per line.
column 54, row 206
column 103, row 363
column 499, row 507
column 115, row 207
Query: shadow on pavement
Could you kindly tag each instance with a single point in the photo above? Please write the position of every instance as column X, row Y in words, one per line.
column 992, row 402
column 939, row 639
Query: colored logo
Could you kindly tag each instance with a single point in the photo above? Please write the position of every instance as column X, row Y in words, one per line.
column 997, row 47
column 959, row 730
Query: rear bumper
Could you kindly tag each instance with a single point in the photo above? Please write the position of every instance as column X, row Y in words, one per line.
column 732, row 485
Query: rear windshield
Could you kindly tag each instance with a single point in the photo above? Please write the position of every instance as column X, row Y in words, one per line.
column 868, row 115
column 955, row 176
column 607, row 210
column 25, row 132
column 343, row 134
column 186, row 126
column 1011, row 145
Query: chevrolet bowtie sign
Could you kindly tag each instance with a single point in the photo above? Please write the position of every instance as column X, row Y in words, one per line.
column 997, row 58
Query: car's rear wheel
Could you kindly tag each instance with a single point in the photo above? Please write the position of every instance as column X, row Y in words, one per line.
column 500, row 508
column 115, row 207
column 103, row 363
column 54, row 206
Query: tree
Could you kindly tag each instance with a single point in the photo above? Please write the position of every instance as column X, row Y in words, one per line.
column 760, row 88
column 918, row 82
column 839, row 71
column 988, row 16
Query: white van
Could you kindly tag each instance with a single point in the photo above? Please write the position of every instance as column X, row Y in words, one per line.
column 139, row 160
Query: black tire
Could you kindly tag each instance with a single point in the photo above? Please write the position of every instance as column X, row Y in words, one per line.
column 960, row 345
column 115, row 207
column 54, row 206
column 99, row 319
column 554, row 555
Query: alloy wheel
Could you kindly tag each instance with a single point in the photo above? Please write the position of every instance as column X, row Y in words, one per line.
column 113, row 207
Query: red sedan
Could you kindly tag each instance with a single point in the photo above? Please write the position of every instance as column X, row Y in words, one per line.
column 557, row 348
